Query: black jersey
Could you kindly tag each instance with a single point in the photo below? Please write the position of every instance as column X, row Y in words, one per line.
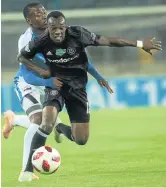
column 68, row 60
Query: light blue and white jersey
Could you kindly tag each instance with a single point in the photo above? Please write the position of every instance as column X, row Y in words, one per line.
column 24, row 39
column 21, row 86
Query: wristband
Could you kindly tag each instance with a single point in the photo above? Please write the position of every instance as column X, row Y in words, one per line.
column 139, row 44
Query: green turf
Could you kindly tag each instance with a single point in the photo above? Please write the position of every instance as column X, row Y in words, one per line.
column 126, row 148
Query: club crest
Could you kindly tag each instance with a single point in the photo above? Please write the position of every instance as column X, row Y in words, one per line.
column 71, row 51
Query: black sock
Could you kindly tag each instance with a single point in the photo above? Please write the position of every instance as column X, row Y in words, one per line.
column 39, row 139
column 65, row 129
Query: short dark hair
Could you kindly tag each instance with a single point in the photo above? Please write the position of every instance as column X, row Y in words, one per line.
column 55, row 14
column 27, row 7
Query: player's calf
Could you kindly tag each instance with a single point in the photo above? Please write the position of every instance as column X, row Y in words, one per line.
column 49, row 117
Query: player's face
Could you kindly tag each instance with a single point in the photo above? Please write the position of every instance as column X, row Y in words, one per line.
column 57, row 29
column 37, row 17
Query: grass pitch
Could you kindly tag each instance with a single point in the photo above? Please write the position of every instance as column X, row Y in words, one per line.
column 126, row 148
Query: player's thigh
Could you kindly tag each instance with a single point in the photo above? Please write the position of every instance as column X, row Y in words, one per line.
column 77, row 106
column 78, row 110
column 52, row 105
column 30, row 101
column 33, row 107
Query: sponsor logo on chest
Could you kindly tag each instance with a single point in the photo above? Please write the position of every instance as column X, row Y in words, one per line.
column 70, row 55
column 60, row 52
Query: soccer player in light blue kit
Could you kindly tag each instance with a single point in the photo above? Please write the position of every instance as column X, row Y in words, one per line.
column 30, row 87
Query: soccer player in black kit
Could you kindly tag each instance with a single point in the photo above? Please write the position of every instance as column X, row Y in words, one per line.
column 64, row 50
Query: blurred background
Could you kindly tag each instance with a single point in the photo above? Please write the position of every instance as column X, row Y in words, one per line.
column 137, row 78
column 126, row 146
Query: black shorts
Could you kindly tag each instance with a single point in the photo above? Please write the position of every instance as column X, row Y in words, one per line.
column 76, row 102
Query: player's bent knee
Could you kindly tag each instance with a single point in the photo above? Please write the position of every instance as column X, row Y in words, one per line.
column 81, row 141
column 36, row 118
column 80, row 132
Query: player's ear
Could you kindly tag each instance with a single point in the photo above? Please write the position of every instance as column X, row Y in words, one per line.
column 28, row 21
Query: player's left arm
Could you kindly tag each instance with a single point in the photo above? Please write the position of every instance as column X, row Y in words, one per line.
column 93, row 71
column 102, row 82
column 146, row 44
column 91, row 39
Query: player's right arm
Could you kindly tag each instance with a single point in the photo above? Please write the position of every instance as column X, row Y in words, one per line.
column 32, row 79
column 27, row 54
column 30, row 65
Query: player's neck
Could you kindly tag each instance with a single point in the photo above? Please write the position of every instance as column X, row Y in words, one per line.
column 37, row 30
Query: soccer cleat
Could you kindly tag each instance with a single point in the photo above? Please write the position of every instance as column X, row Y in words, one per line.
column 35, row 177
column 27, row 176
column 57, row 136
column 9, row 117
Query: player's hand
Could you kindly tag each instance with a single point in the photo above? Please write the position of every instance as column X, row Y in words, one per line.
column 151, row 44
column 104, row 83
column 45, row 73
column 58, row 83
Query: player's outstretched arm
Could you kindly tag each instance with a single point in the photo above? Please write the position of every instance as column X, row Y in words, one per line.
column 146, row 44
column 88, row 38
